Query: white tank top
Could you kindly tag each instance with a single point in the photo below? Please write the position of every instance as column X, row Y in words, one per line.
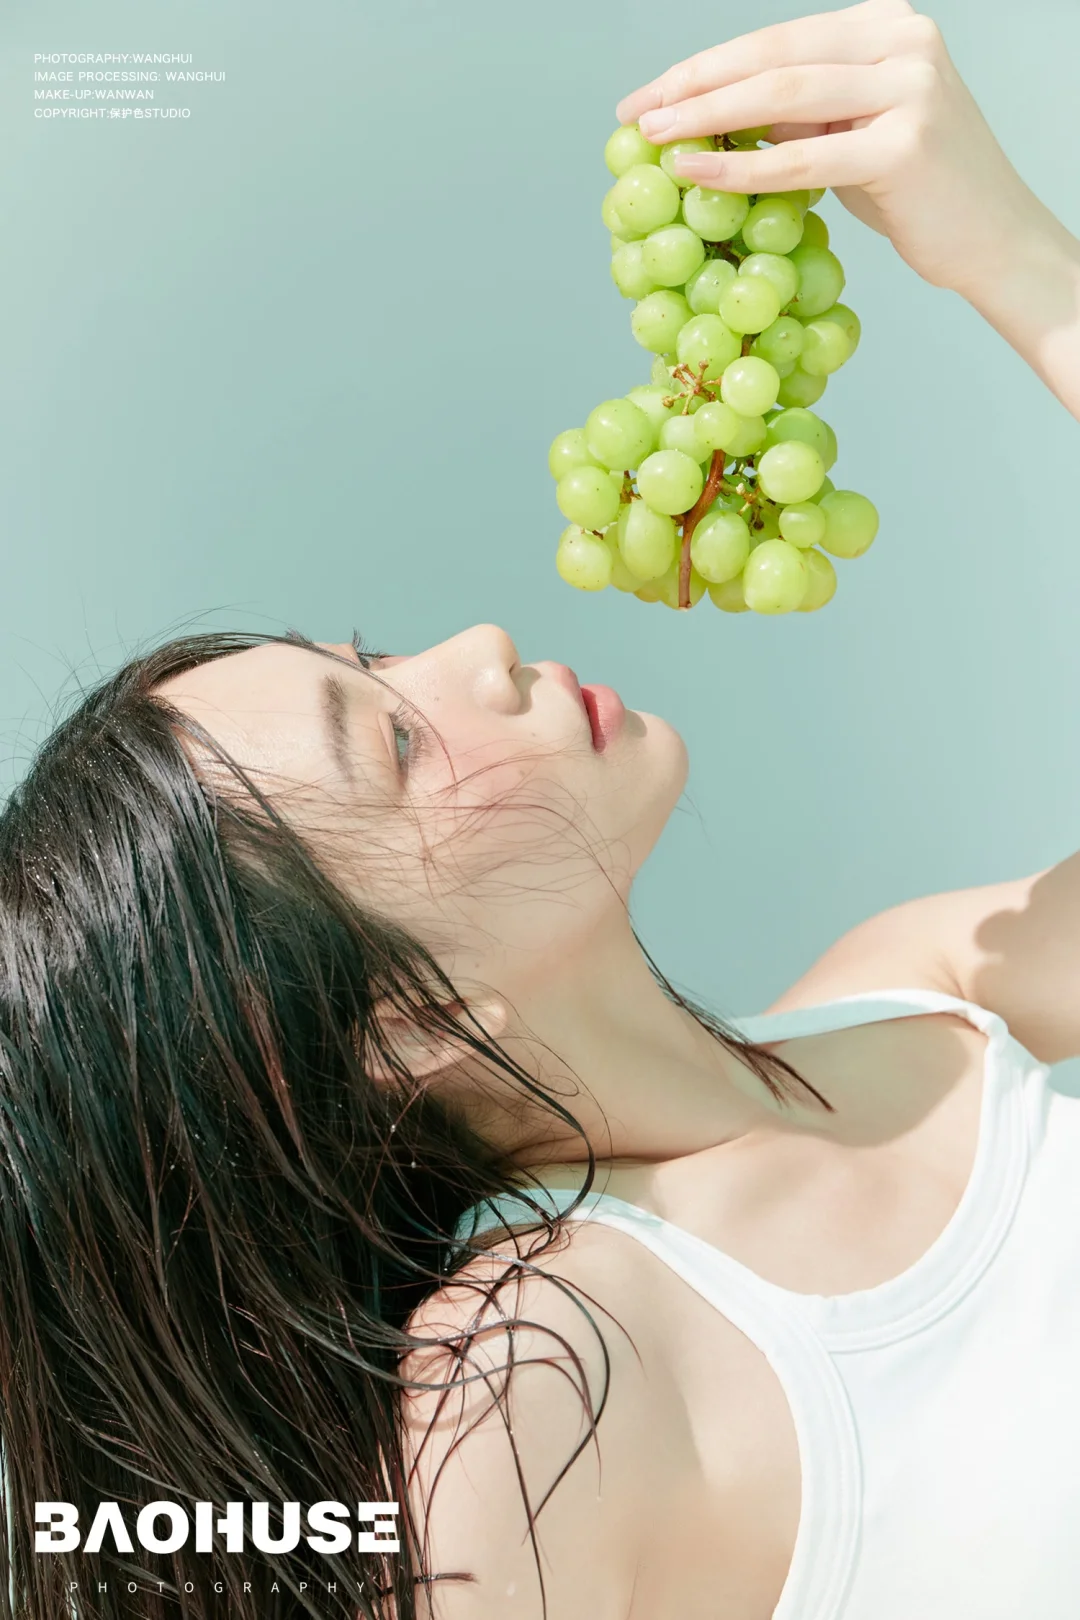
column 937, row 1414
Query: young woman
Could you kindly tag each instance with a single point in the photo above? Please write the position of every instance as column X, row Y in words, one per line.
column 322, row 1014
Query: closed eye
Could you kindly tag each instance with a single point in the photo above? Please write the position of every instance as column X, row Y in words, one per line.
column 409, row 733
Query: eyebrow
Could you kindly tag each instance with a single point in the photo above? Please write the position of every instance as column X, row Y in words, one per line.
column 335, row 716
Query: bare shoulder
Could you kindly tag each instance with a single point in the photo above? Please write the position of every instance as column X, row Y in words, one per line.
column 904, row 948
column 1013, row 948
column 524, row 1408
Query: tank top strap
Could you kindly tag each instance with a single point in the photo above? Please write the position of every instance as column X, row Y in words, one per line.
column 869, row 1007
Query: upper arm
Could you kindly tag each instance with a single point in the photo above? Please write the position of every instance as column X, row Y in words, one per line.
column 468, row 1488
column 1013, row 948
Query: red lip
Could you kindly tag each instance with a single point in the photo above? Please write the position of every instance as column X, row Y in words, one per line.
column 603, row 708
column 606, row 710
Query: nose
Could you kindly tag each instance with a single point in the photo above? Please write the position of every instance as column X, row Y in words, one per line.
column 487, row 659
column 495, row 646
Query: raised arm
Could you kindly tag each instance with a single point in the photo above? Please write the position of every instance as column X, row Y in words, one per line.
column 866, row 101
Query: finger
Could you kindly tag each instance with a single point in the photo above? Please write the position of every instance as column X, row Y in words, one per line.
column 803, row 132
column 812, row 95
column 858, row 34
column 795, row 132
column 825, row 161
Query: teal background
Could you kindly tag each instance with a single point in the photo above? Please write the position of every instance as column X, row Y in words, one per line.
column 297, row 361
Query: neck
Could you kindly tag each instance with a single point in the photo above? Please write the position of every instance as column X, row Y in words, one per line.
column 646, row 1081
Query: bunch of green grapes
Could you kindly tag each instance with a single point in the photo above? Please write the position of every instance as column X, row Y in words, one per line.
column 713, row 476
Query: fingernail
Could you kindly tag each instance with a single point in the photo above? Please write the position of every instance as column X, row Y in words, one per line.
column 659, row 125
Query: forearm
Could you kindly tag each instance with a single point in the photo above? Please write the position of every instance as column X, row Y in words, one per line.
column 1032, row 297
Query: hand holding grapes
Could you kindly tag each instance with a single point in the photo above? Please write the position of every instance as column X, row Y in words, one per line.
column 864, row 101
column 737, row 296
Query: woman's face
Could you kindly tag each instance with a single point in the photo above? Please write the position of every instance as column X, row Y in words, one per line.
column 501, row 822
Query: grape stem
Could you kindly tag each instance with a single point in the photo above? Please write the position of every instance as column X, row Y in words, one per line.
column 692, row 519
column 696, row 383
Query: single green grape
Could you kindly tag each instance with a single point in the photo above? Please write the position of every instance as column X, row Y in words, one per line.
column 627, row 147
column 645, row 198
column 647, row 540
column 674, row 149
column 658, row 320
column 621, row 576
column 816, row 195
column 715, row 215
column 807, row 428
column 851, row 523
column 628, row 271
column 706, row 287
column 584, row 560
column 802, row 525
column 672, row 254
column 668, row 481
column 773, row 225
column 826, row 349
column 826, row 489
column 790, row 472
column 848, row 320
column 750, row 304
column 778, row 269
column 718, row 425
column 649, row 397
column 707, row 341
column 821, row 587
column 781, row 343
column 750, row 437
column 720, row 546
column 821, row 281
column 667, row 586
column 801, row 199
column 775, row 578
column 833, row 449
column 611, row 216
column 799, row 389
column 750, row 137
column 682, row 433
column 783, row 368
column 588, row 496
column 619, row 434
column 569, row 450
column 815, row 232
column 750, row 386
column 730, row 596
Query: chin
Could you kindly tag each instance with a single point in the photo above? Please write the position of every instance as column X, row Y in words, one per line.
column 667, row 754
column 661, row 767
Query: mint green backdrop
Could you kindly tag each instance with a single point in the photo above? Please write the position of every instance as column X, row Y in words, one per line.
column 297, row 360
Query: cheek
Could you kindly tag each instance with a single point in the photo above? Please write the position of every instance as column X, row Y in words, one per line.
column 523, row 855
column 519, row 861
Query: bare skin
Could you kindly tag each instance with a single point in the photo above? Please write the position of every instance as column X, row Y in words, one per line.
column 526, row 909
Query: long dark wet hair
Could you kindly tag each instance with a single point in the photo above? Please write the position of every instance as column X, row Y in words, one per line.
column 214, row 1223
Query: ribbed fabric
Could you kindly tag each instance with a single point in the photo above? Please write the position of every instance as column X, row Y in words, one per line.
column 938, row 1414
